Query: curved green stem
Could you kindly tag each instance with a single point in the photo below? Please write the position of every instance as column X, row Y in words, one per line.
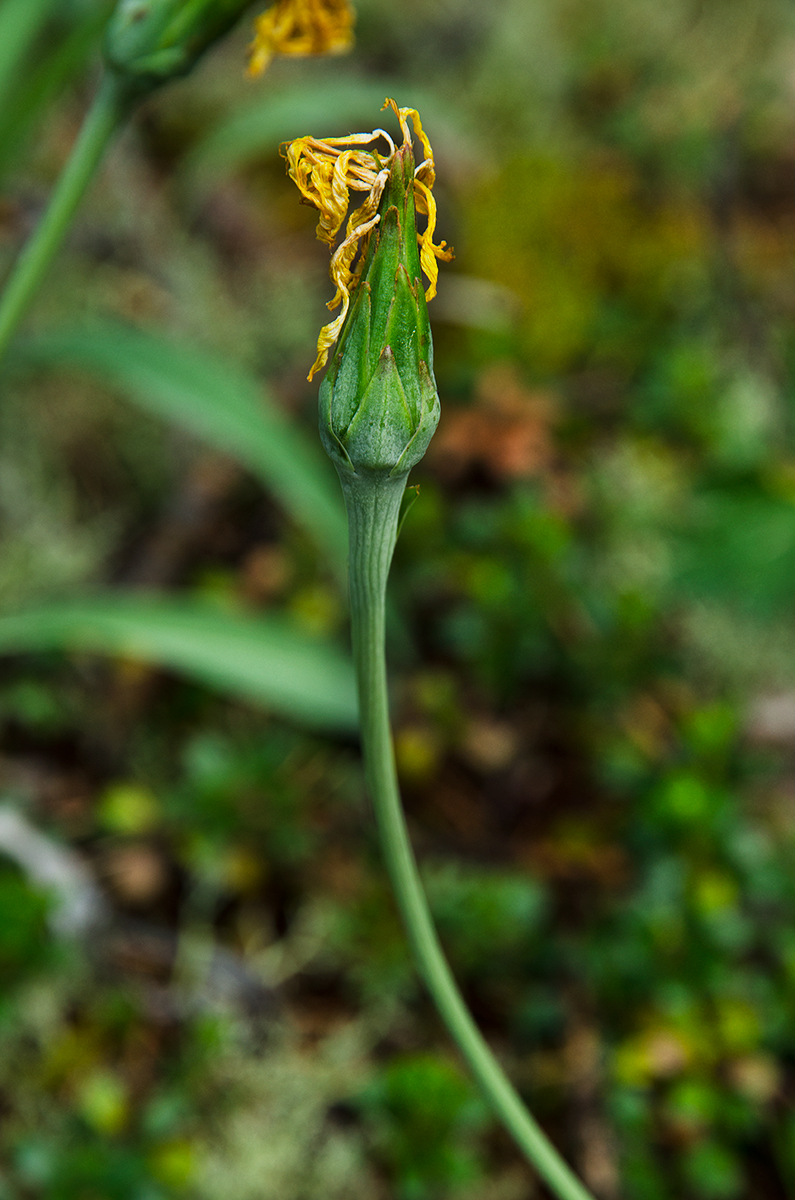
column 107, row 111
column 373, row 506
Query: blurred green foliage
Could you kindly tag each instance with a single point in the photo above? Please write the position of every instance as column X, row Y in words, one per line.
column 591, row 628
column 423, row 1117
column 24, row 945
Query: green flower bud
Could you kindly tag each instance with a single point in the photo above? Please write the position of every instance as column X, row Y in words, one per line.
column 151, row 41
column 378, row 402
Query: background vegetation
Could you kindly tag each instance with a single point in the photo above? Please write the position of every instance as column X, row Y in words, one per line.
column 205, row 991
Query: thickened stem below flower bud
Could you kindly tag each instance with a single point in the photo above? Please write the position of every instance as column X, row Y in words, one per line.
column 373, row 501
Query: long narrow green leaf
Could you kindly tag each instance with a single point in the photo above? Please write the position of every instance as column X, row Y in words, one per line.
column 259, row 659
column 20, row 21
column 51, row 72
column 218, row 402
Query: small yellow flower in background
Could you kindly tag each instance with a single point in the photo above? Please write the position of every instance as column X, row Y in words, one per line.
column 301, row 27
column 326, row 171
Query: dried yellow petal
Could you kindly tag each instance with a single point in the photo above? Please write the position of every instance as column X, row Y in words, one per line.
column 326, row 171
column 301, row 27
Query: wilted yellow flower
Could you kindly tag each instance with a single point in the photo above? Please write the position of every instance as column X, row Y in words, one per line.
column 301, row 27
column 326, row 171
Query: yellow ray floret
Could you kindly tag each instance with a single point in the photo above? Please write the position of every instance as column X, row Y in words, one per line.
column 301, row 27
column 326, row 171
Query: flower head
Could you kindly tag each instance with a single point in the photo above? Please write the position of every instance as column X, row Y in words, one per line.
column 378, row 401
column 301, row 27
column 327, row 170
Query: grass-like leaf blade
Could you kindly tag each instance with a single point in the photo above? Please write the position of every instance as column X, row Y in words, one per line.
column 259, row 659
column 45, row 77
column 20, row 22
column 218, row 402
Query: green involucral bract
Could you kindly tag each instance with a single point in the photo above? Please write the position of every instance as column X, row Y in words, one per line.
column 378, row 403
column 150, row 41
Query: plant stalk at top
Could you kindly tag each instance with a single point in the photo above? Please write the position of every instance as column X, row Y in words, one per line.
column 146, row 44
